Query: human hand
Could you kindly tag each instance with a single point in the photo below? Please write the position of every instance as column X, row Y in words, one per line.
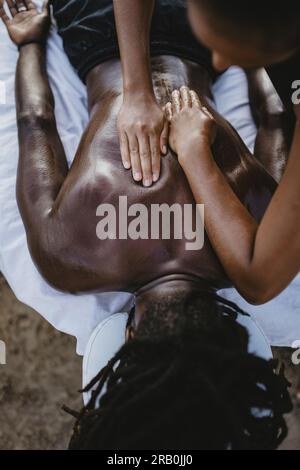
column 192, row 125
column 143, row 129
column 26, row 24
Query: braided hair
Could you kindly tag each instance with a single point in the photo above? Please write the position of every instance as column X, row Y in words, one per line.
column 194, row 386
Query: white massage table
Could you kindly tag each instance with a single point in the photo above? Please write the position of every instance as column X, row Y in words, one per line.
column 80, row 315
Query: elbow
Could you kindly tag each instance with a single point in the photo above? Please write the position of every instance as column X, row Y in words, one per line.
column 48, row 258
column 256, row 298
column 57, row 267
column 256, row 291
column 273, row 115
column 36, row 115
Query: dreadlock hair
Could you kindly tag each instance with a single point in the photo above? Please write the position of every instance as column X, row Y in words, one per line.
column 278, row 23
column 185, row 381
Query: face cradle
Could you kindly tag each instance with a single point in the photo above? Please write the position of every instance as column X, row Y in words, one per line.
column 229, row 47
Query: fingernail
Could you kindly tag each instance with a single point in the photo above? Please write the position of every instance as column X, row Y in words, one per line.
column 165, row 149
column 137, row 176
column 147, row 182
column 127, row 165
column 155, row 177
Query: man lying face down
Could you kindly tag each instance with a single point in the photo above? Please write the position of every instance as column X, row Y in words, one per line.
column 184, row 378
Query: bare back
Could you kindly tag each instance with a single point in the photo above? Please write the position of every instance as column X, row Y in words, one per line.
column 83, row 262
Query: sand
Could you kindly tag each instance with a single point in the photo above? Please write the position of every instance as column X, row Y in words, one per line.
column 42, row 373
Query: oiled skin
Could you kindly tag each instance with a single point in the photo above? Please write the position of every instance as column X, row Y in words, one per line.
column 59, row 210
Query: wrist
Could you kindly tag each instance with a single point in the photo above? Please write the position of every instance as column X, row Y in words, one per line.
column 30, row 44
column 199, row 169
column 194, row 150
column 139, row 93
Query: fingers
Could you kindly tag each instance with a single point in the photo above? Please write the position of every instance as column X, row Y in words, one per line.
column 155, row 157
column 176, row 101
column 12, row 7
column 125, row 155
column 4, row 17
column 21, row 6
column 185, row 97
column 195, row 99
column 141, row 153
column 30, row 5
column 145, row 158
column 208, row 113
column 135, row 158
column 169, row 111
column 164, row 138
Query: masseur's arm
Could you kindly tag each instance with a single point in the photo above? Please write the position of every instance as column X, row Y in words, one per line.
column 260, row 260
column 142, row 126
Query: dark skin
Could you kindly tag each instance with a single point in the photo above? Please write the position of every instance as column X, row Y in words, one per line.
column 261, row 260
column 58, row 205
column 275, row 131
column 141, row 123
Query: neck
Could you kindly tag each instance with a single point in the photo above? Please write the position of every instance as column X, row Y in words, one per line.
column 173, row 282
column 165, row 289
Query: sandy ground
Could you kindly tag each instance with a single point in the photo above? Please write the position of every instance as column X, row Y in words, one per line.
column 43, row 373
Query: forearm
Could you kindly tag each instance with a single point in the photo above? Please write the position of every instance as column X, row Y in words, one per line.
column 133, row 20
column 230, row 227
column 33, row 93
column 42, row 163
column 262, row 259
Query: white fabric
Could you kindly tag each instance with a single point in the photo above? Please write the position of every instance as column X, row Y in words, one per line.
column 79, row 315
column 109, row 336
column 232, row 101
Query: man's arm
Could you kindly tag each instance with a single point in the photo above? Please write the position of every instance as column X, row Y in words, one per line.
column 42, row 165
column 142, row 126
column 261, row 260
column 275, row 131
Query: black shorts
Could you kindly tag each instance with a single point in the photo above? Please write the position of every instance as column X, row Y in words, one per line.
column 88, row 30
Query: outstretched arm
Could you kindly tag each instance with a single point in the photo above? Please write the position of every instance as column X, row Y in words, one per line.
column 142, row 126
column 261, row 260
column 42, row 163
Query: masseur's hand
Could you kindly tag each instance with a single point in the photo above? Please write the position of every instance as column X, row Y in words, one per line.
column 192, row 125
column 26, row 24
column 143, row 130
